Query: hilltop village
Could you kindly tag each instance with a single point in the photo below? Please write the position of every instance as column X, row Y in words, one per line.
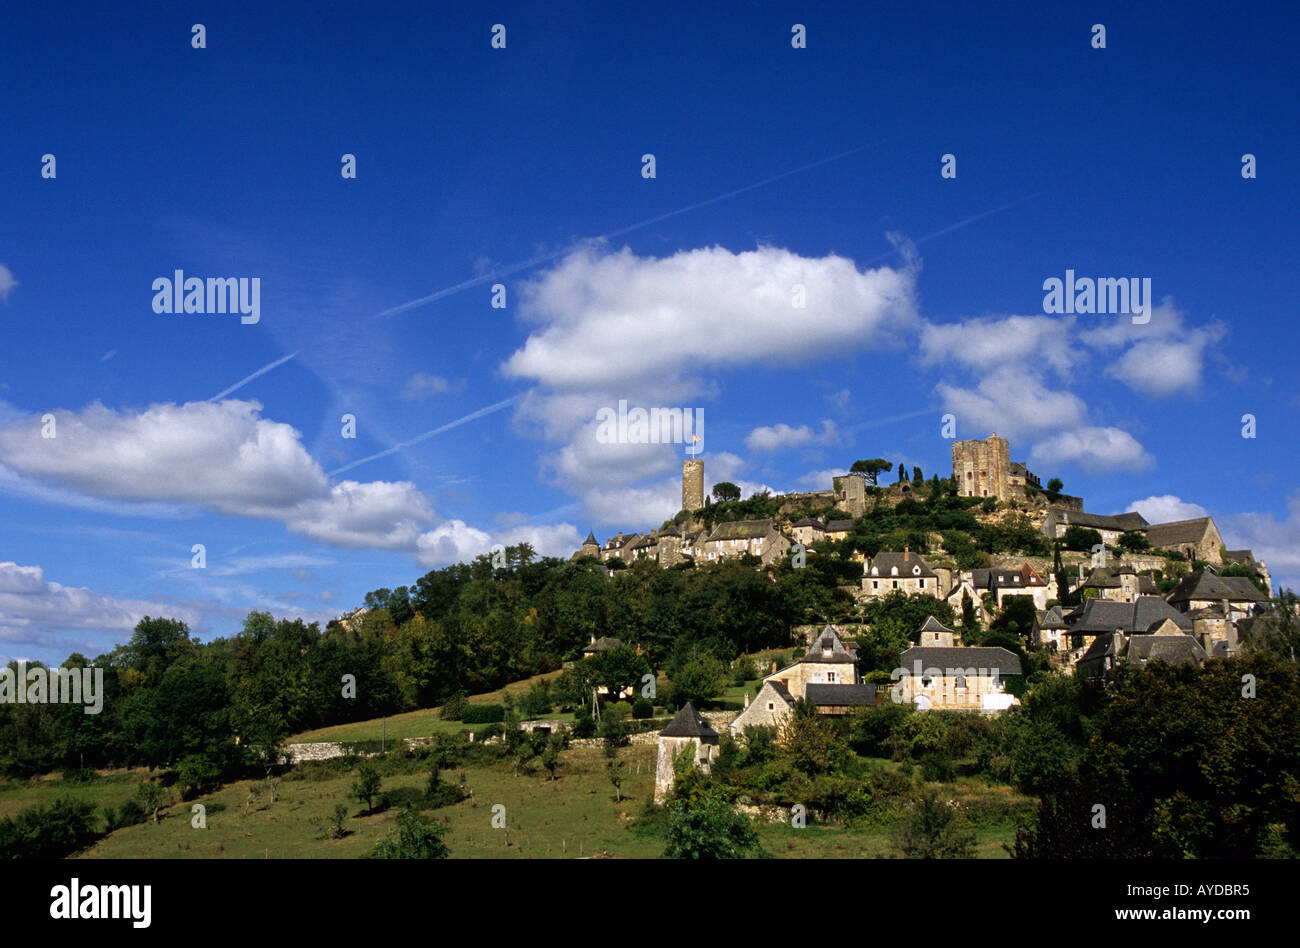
column 1105, row 589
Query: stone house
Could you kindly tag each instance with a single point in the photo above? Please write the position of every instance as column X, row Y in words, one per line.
column 686, row 733
column 1121, row 584
column 1201, row 589
column 1247, row 558
column 965, row 586
column 808, row 531
column 1051, row 630
column 906, row 572
column 1163, row 641
column 850, row 493
column 1061, row 519
column 1011, row 582
column 938, row 677
column 935, row 634
column 1098, row 617
column 837, row 530
column 645, row 548
column 736, row 538
column 1197, row 539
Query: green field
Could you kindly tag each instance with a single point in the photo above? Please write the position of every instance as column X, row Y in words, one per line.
column 574, row 816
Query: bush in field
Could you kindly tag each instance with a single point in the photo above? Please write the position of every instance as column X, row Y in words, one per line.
column 454, row 707
column 483, row 714
column 412, row 838
column 49, row 831
column 643, row 708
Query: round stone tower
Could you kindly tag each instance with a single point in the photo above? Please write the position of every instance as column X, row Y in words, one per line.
column 692, row 483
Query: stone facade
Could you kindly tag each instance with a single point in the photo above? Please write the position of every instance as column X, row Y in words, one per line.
column 982, row 468
column 692, row 483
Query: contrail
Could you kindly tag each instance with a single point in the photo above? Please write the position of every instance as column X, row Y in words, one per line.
column 429, row 434
column 877, row 422
column 262, row 371
column 525, row 264
column 957, row 226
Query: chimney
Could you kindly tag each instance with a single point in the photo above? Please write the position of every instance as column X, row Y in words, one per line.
column 905, row 554
column 747, row 699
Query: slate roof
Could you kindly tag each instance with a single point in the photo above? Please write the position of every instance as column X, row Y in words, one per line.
column 931, row 624
column 1244, row 557
column 601, row 644
column 1103, row 577
column 983, row 656
column 646, row 541
column 1140, row 649
column 1178, row 531
column 839, row 652
column 823, row 695
column 810, row 522
column 1053, row 618
column 591, row 539
column 1077, row 518
column 1023, row 578
column 839, row 526
column 1098, row 616
column 1205, row 585
column 884, row 562
column 688, row 723
column 741, row 530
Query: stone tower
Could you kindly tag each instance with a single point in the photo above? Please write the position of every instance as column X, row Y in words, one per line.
column 686, row 734
column 981, row 468
column 692, row 483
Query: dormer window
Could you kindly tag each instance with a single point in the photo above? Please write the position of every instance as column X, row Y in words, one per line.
column 893, row 571
column 916, row 571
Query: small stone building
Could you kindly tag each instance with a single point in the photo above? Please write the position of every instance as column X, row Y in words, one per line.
column 687, row 732
column 906, row 572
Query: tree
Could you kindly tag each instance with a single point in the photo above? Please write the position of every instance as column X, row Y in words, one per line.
column 871, row 468
column 551, row 756
column 811, row 743
column 1054, row 487
column 614, row 770
column 1018, row 617
column 366, row 786
column 930, row 830
column 701, row 676
column 1134, row 541
column 153, row 797
column 725, row 490
column 917, row 477
column 412, row 838
column 968, row 620
column 709, row 828
column 1081, row 539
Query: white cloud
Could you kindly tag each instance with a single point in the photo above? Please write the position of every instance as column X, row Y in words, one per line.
column 1013, row 403
column 783, row 437
column 7, row 283
column 1166, row 508
column 611, row 325
column 1163, row 357
column 610, row 318
column 1095, row 450
column 1021, row 340
column 35, row 611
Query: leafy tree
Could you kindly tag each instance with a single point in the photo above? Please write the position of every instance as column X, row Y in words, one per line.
column 900, row 616
column 709, row 828
column 812, row 744
column 871, row 468
column 366, row 787
column 1081, row 539
column 551, row 755
column 412, row 838
column 1054, row 488
column 1134, row 541
column 153, row 797
column 50, row 831
column 725, row 490
column 931, row 830
column 614, row 771
column 1017, row 618
column 699, row 677
column 917, row 477
column 969, row 621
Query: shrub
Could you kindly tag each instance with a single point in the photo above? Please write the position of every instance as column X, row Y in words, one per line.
column 48, row 832
column 454, row 707
column 79, row 774
column 412, row 838
column 643, row 708
column 482, row 714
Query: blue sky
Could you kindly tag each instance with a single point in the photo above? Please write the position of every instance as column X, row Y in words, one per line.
column 522, row 166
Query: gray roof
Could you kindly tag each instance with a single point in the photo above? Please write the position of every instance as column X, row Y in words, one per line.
column 1178, row 531
column 688, row 723
column 1023, row 578
column 601, row 644
column 823, row 695
column 931, row 624
column 810, row 522
column 1244, row 557
column 942, row 657
column 839, row 526
column 1205, row 585
column 1103, row 577
column 1121, row 522
column 884, row 562
column 1141, row 649
column 839, row 653
column 1053, row 618
column 741, row 530
column 591, row 539
column 1101, row 615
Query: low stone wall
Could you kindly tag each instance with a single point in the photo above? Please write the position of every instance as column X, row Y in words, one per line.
column 326, row 750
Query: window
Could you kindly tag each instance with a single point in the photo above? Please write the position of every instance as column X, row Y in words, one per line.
column 771, row 706
column 893, row 571
column 922, row 584
column 895, row 584
column 961, row 681
column 831, row 677
column 875, row 584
